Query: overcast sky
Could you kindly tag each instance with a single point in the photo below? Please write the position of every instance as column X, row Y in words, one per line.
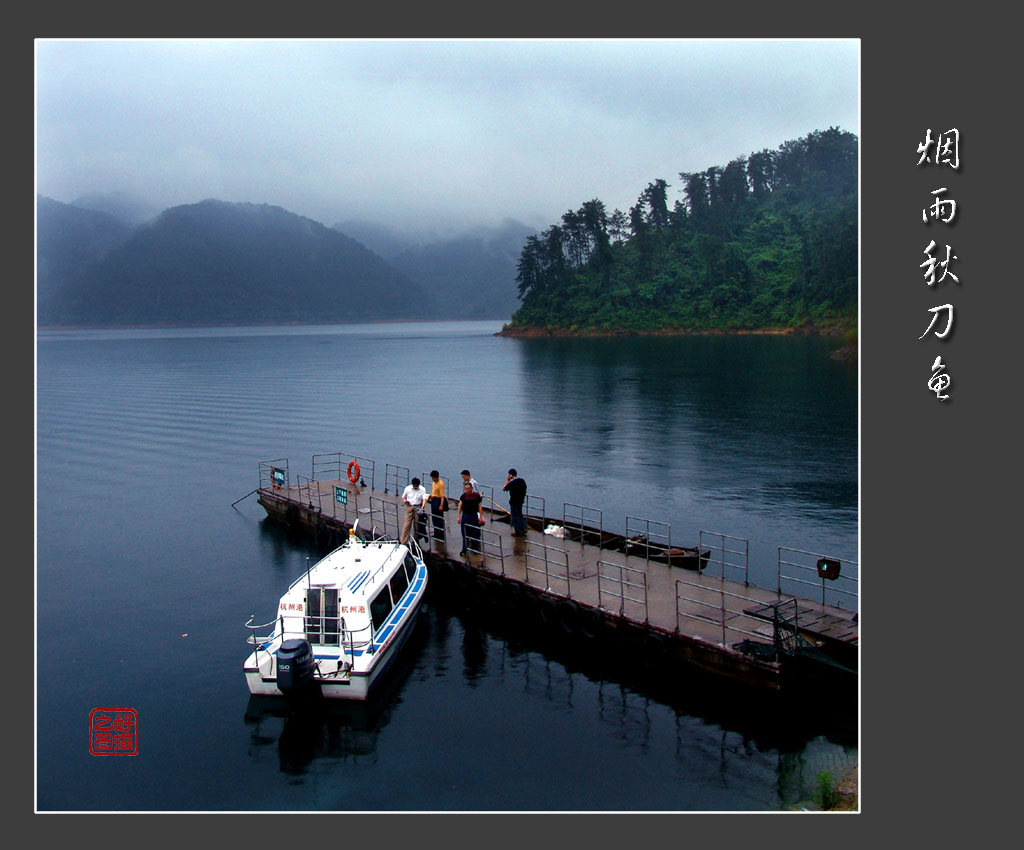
column 422, row 132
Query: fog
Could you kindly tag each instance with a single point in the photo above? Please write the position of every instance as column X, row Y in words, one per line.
column 421, row 134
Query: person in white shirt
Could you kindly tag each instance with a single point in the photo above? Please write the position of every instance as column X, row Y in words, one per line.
column 413, row 497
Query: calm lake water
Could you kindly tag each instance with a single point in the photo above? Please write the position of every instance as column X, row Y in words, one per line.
column 146, row 573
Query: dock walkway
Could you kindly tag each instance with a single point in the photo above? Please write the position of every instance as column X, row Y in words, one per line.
column 571, row 575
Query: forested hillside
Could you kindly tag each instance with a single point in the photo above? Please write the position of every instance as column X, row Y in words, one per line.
column 767, row 241
column 69, row 240
column 229, row 263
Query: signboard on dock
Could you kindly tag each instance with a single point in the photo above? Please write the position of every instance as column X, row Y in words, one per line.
column 341, row 495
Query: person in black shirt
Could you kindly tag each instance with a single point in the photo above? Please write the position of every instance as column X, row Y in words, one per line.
column 516, row 489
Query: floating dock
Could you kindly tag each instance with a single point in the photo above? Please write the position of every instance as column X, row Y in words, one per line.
column 639, row 594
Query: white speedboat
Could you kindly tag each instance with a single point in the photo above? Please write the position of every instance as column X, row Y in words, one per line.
column 340, row 625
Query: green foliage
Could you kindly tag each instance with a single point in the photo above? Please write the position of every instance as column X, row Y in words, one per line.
column 826, row 794
column 767, row 241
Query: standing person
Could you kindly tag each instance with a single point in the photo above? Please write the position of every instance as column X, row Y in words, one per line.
column 413, row 497
column 469, row 479
column 516, row 489
column 438, row 504
column 470, row 517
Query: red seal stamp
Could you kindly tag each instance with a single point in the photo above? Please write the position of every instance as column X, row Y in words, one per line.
column 114, row 732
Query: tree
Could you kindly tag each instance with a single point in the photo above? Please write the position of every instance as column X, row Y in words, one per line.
column 655, row 198
column 732, row 185
column 760, row 174
column 618, row 226
column 768, row 239
column 695, row 187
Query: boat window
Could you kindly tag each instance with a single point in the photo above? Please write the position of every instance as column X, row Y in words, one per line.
column 410, row 565
column 380, row 607
column 399, row 582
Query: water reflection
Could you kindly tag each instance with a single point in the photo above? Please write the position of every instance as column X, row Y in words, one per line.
column 713, row 748
column 333, row 729
column 474, row 654
column 305, row 733
column 759, row 751
column 774, row 414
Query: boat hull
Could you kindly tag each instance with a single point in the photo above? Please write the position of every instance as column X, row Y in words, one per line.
column 357, row 685
column 343, row 673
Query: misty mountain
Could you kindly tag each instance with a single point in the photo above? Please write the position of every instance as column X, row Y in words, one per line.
column 216, row 262
column 472, row 276
column 68, row 241
column 121, row 206
column 385, row 241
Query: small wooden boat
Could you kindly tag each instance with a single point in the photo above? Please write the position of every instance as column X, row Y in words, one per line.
column 687, row 557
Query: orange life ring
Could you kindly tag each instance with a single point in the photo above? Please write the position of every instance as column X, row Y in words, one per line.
column 353, row 472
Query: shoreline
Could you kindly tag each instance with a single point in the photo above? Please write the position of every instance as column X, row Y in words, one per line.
column 534, row 331
column 847, row 353
column 292, row 324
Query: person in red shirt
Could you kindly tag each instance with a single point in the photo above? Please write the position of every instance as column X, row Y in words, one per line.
column 470, row 517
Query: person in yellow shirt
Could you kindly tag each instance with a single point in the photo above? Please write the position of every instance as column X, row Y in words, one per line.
column 438, row 504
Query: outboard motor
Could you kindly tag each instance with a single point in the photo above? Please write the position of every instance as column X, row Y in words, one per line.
column 295, row 667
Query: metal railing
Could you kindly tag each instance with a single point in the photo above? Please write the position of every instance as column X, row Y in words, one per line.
column 436, row 523
column 307, row 493
column 487, row 491
column 258, row 642
column 724, row 556
column 534, row 507
column 616, row 580
column 344, row 503
column 640, row 531
column 348, row 640
column 396, row 478
column 582, row 520
column 383, row 515
column 489, row 545
column 551, row 559
column 274, row 474
column 826, row 574
column 387, row 518
column 337, row 502
column 717, row 607
column 471, row 537
column 787, row 627
column 334, row 466
column 799, row 573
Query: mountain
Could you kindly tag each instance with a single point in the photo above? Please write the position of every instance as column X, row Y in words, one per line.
column 118, row 204
column 232, row 263
column 68, row 241
column 472, row 276
column 385, row 241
